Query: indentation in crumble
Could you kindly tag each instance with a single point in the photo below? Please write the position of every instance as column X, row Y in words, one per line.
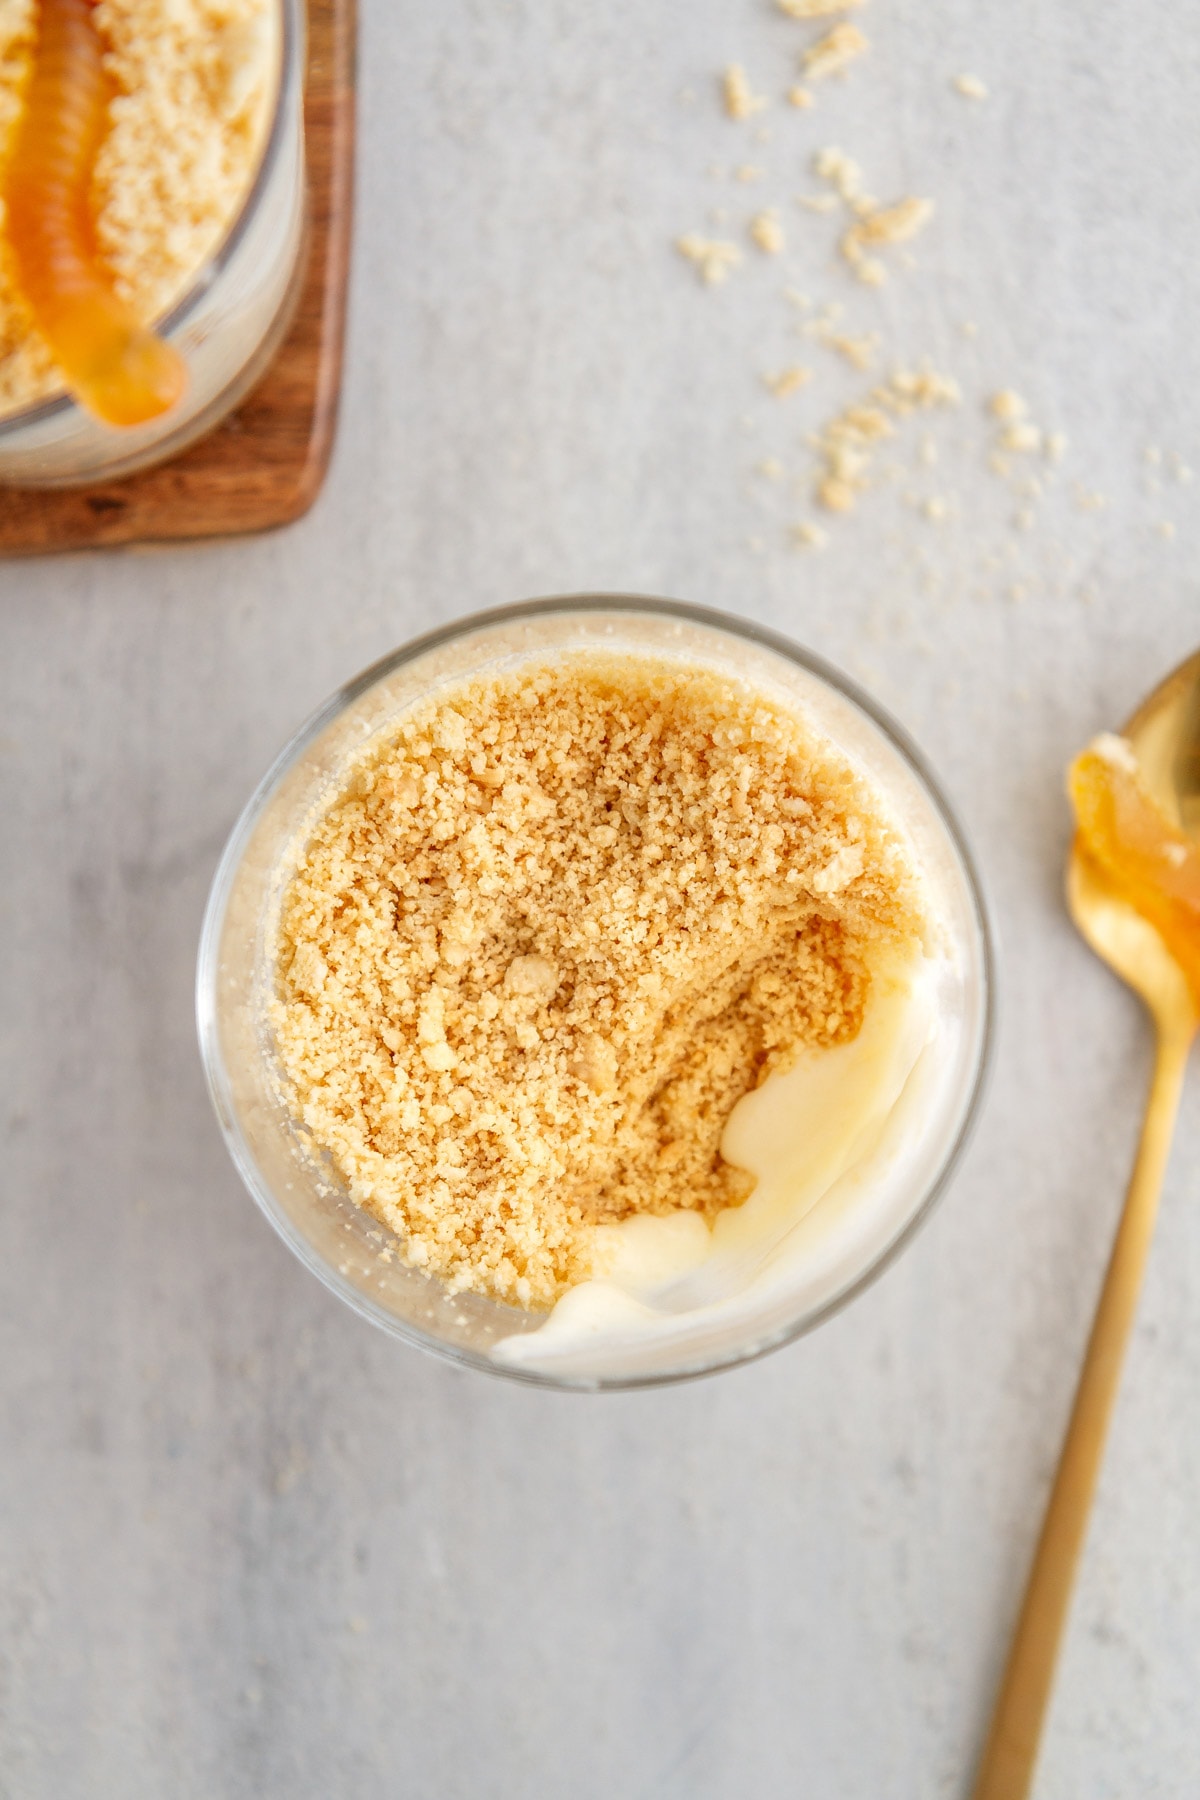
column 555, row 925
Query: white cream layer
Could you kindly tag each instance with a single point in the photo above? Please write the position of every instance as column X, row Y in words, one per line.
column 836, row 1145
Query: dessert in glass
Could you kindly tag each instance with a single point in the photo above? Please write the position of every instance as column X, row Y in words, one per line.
column 152, row 220
column 597, row 991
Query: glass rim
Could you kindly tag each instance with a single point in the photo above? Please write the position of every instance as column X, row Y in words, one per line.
column 290, row 38
column 338, row 703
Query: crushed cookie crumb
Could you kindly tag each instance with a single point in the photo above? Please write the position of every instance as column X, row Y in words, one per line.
column 842, row 172
column 1022, row 437
column 741, row 102
column 883, row 225
column 771, row 467
column 799, row 97
column 628, row 892
column 808, row 536
column 847, row 442
column 836, row 494
column 971, row 87
column 1007, row 406
column 859, row 352
column 767, row 232
column 1056, row 446
column 747, row 172
column 714, row 259
column 833, row 53
column 788, row 381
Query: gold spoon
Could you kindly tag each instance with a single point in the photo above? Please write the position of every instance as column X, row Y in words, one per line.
column 1164, row 734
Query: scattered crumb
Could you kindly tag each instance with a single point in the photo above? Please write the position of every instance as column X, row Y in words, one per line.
column 771, row 467
column 895, row 224
column 971, row 87
column 835, row 494
column 1152, row 455
column 788, row 381
column 740, row 100
column 1021, row 437
column 834, row 52
column 969, row 328
column 799, row 97
column 927, row 453
column 1056, row 446
column 1165, row 528
column 810, row 537
column 935, row 509
column 882, row 225
column 923, row 388
column 748, row 172
column 715, row 260
column 1018, row 591
column 1023, row 518
column 1007, row 406
column 767, row 232
column 846, row 443
column 841, row 171
column 859, row 352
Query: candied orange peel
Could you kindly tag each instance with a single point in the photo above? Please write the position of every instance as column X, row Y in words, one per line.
column 1152, row 863
column 115, row 367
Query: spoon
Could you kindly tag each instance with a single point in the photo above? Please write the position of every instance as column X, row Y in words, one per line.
column 1164, row 734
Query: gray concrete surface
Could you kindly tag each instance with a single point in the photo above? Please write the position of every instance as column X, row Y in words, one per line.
column 249, row 1548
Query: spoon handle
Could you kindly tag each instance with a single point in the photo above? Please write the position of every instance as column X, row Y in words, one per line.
column 1006, row 1770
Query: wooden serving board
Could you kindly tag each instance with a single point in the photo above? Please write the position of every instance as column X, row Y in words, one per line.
column 264, row 464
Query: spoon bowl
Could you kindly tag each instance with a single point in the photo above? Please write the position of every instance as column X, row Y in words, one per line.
column 1164, row 736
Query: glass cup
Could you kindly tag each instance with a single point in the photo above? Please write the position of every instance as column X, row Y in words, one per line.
column 306, row 1200
column 227, row 325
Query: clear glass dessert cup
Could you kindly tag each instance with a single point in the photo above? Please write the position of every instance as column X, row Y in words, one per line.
column 227, row 325
column 304, row 1197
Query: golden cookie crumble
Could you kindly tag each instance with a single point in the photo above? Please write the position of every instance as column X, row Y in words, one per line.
column 555, row 924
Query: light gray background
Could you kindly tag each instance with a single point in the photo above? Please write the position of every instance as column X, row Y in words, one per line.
column 251, row 1548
